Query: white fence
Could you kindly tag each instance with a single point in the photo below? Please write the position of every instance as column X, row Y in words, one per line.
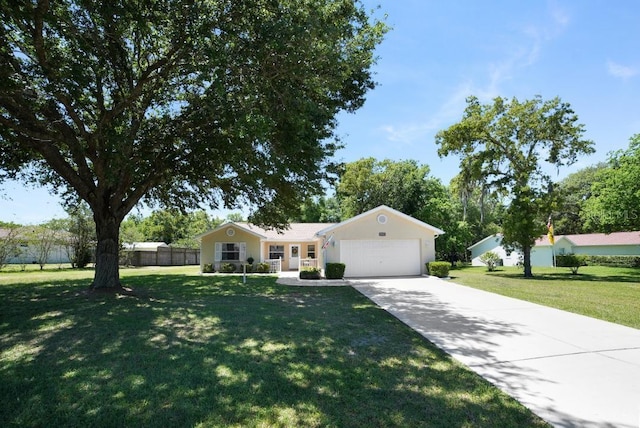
column 275, row 265
column 308, row 263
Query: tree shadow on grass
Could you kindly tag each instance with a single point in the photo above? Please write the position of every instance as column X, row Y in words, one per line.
column 562, row 276
column 217, row 352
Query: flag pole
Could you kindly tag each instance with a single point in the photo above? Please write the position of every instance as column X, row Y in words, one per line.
column 552, row 241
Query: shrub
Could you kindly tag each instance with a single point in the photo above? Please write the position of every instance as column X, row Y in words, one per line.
column 439, row 269
column 573, row 261
column 614, row 261
column 335, row 270
column 208, row 268
column 491, row 260
column 262, row 268
column 82, row 257
column 227, row 268
column 309, row 273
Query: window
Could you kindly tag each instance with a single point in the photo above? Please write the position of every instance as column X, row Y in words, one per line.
column 311, row 251
column 276, row 252
column 230, row 251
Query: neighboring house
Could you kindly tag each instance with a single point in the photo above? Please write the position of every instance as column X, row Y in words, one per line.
column 29, row 247
column 379, row 242
column 593, row 244
column 158, row 254
column 493, row 243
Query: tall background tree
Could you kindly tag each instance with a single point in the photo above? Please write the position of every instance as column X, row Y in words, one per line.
column 573, row 192
column 614, row 204
column 508, row 147
column 368, row 183
column 178, row 103
column 319, row 209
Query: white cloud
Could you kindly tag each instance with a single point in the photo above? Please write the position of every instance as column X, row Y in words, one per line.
column 559, row 15
column 525, row 53
column 621, row 71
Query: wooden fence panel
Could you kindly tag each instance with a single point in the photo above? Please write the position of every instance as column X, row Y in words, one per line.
column 166, row 257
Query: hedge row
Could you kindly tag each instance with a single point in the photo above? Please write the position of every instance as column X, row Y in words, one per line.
column 232, row 267
column 614, row 261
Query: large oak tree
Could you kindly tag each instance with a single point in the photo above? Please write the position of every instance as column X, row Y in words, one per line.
column 178, row 103
column 510, row 146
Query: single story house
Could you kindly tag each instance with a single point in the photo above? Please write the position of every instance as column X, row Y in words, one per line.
column 493, row 243
column 28, row 248
column 593, row 244
column 379, row 242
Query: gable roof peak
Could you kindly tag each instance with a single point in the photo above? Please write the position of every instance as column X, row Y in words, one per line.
column 377, row 209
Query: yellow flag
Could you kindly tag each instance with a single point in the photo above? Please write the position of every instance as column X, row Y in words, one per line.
column 550, row 231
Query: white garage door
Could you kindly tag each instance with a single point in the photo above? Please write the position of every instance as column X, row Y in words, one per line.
column 367, row 258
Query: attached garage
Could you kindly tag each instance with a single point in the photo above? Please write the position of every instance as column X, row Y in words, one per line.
column 371, row 258
column 380, row 242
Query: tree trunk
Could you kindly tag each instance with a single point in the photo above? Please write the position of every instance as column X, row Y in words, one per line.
column 526, row 251
column 107, row 275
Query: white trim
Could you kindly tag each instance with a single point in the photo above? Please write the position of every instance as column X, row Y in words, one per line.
column 560, row 238
column 223, row 225
column 404, row 216
column 294, row 261
column 217, row 257
column 495, row 235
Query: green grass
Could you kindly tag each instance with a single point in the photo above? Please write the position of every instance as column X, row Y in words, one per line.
column 209, row 351
column 606, row 293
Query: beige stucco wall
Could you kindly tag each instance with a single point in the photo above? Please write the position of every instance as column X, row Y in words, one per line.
column 208, row 248
column 396, row 227
column 287, row 251
column 256, row 248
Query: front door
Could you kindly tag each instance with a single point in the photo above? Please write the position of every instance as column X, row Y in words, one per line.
column 294, row 256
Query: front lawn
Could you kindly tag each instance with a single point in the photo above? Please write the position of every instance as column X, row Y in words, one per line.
column 208, row 351
column 607, row 293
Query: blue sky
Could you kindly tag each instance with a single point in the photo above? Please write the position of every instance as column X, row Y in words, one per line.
column 439, row 52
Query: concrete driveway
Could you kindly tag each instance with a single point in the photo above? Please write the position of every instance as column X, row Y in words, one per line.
column 571, row 370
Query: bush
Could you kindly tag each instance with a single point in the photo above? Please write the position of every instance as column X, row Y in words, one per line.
column 262, row 268
column 439, row 269
column 227, row 268
column 81, row 258
column 309, row 273
column 491, row 260
column 614, row 261
column 573, row 261
column 335, row 270
column 208, row 268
